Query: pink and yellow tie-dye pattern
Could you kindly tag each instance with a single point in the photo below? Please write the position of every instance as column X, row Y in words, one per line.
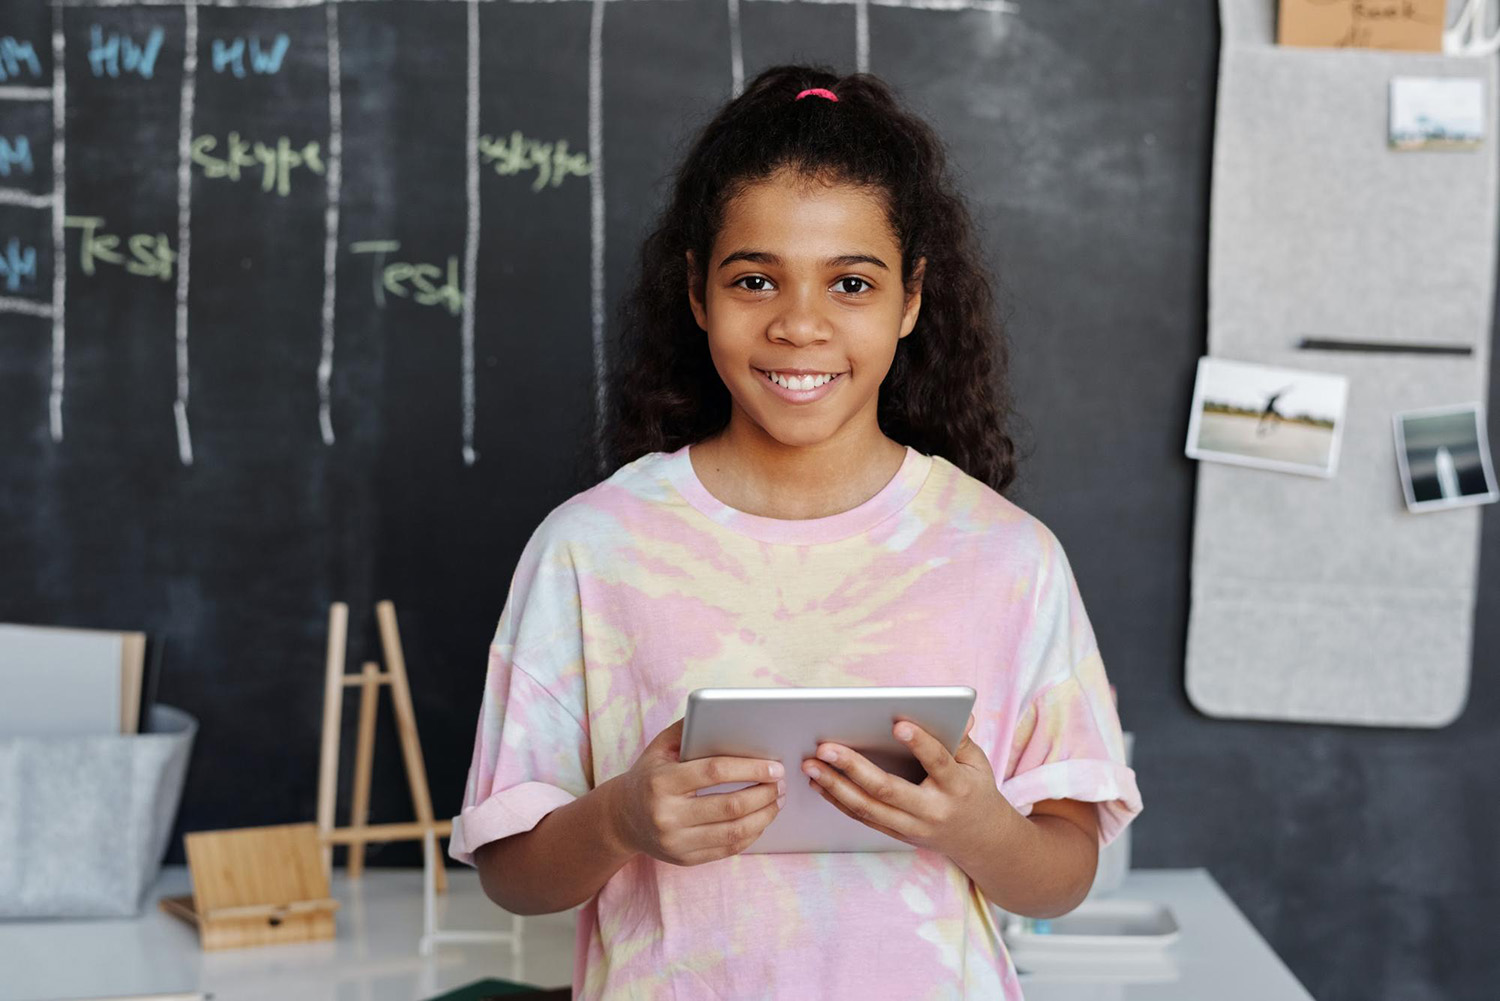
column 631, row 594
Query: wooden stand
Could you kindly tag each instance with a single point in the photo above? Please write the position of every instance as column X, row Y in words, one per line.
column 369, row 680
column 255, row 886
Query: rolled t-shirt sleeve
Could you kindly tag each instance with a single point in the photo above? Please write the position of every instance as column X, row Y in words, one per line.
column 531, row 744
column 1067, row 743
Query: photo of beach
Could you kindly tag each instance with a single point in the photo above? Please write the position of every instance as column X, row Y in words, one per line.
column 1286, row 420
column 1436, row 113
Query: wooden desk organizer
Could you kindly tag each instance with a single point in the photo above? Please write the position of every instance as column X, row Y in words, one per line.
column 256, row 886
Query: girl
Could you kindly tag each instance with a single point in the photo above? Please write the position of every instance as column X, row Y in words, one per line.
column 807, row 416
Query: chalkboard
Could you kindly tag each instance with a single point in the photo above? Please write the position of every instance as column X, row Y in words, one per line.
column 218, row 473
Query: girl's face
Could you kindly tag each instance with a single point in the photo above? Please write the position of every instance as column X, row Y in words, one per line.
column 804, row 277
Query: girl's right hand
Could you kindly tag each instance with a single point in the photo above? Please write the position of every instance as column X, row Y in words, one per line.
column 657, row 812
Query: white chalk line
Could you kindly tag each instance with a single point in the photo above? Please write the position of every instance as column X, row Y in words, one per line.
column 736, row 49
column 862, row 36
column 185, row 223
column 596, row 213
column 471, row 232
column 25, row 199
column 59, row 237
column 26, row 93
column 331, row 223
column 27, row 307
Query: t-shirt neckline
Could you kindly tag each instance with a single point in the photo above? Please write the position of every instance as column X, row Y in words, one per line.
column 897, row 492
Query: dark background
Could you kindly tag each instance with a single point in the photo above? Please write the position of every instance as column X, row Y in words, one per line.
column 1083, row 135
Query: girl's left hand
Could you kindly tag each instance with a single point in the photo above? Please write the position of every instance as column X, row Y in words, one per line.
column 957, row 810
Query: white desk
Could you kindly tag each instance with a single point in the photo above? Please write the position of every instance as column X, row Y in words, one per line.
column 375, row 957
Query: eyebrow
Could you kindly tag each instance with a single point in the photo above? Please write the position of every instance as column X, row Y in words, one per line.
column 764, row 257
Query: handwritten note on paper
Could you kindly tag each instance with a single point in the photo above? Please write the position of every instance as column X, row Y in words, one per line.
column 1412, row 25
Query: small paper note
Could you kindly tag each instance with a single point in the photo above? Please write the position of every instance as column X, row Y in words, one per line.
column 1411, row 25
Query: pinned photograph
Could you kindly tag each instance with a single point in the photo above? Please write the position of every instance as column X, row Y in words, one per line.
column 1444, row 455
column 1436, row 113
column 1284, row 419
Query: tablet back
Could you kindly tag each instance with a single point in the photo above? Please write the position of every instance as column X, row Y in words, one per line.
column 787, row 724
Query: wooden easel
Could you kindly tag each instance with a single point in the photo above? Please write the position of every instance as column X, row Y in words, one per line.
column 369, row 680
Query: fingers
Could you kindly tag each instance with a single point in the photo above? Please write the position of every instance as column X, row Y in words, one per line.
column 852, row 815
column 703, row 772
column 873, row 779
column 855, row 800
column 928, row 749
column 720, row 807
column 708, row 842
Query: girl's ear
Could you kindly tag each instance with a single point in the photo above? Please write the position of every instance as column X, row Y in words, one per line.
column 694, row 291
column 914, row 297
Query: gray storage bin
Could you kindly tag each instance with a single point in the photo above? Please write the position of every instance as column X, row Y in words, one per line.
column 84, row 821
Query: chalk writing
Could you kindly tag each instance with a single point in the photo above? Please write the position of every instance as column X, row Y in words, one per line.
column 276, row 162
column 119, row 53
column 422, row 278
column 517, row 154
column 15, row 154
column 150, row 256
column 230, row 56
column 16, row 56
column 17, row 266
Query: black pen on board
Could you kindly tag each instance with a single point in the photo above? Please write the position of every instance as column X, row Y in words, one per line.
column 1393, row 347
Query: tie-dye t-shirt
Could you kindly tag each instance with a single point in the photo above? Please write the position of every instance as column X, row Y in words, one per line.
column 644, row 587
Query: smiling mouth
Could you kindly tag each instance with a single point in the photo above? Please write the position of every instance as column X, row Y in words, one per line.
column 799, row 383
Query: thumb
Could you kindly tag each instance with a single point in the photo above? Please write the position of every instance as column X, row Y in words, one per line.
column 968, row 752
column 667, row 743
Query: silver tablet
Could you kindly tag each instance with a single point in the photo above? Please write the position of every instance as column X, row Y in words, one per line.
column 787, row 724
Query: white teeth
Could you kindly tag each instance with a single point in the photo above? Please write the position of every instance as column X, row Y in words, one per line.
column 800, row 383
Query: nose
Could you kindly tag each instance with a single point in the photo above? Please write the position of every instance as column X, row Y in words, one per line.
column 799, row 321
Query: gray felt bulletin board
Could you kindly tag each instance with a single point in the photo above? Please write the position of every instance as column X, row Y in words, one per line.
column 1324, row 600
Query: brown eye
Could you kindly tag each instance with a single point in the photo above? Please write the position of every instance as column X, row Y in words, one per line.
column 752, row 278
column 844, row 285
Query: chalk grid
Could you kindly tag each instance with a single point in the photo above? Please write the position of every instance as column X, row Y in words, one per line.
column 56, row 200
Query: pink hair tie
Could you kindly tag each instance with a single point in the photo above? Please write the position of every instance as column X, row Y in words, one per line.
column 818, row 92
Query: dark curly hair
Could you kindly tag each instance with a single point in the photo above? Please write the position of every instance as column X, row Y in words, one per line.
column 946, row 393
